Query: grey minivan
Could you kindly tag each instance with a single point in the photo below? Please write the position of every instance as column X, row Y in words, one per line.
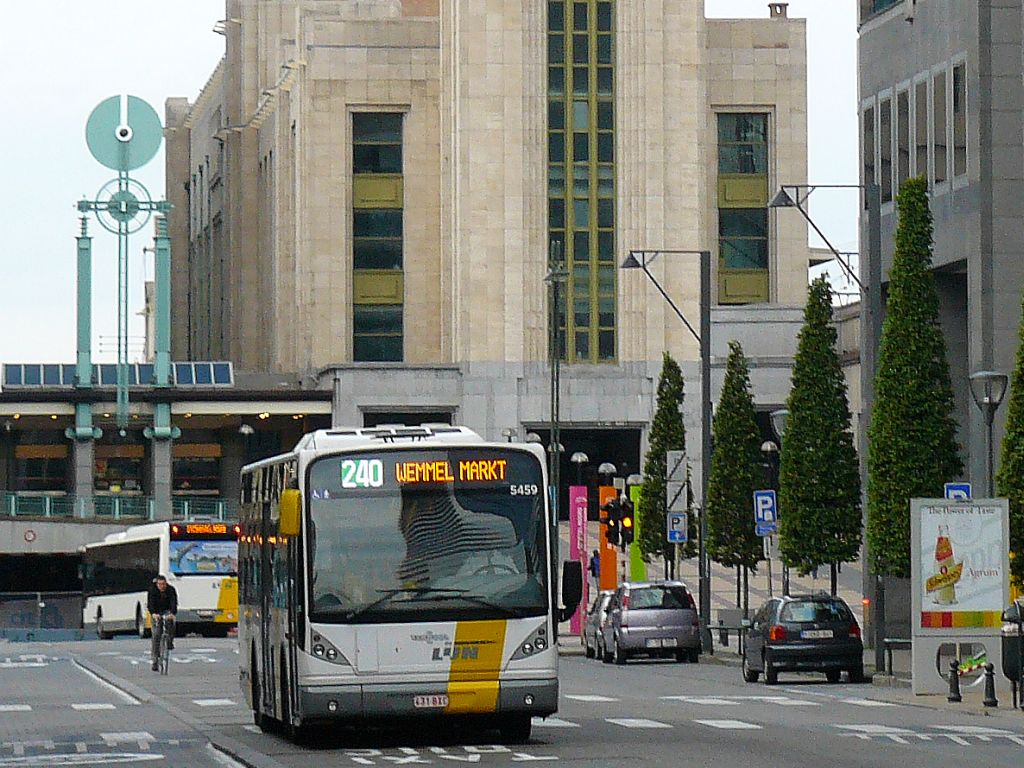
column 651, row 618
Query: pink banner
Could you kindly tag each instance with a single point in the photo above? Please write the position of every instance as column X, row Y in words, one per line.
column 578, row 547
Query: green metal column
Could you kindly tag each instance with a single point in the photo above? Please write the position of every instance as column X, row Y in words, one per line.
column 637, row 566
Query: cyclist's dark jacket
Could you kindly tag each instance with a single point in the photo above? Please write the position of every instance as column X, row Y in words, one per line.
column 162, row 602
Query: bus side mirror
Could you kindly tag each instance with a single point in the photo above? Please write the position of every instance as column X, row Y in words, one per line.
column 572, row 588
column 290, row 522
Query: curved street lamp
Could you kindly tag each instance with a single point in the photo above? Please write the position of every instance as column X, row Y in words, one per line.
column 579, row 458
column 987, row 389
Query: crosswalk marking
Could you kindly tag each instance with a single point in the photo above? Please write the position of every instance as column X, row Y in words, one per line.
column 737, row 725
column 735, row 701
column 15, row 708
column 710, row 701
column 553, row 722
column 636, row 722
column 873, row 728
column 973, row 729
column 88, row 707
column 214, row 702
column 589, row 697
column 868, row 703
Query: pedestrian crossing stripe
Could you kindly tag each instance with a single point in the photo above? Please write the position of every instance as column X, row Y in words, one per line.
column 636, row 722
column 589, row 697
column 214, row 702
column 736, row 725
column 868, row 703
column 90, row 707
column 553, row 722
column 15, row 708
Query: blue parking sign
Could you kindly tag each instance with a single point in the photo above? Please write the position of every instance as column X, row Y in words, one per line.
column 766, row 513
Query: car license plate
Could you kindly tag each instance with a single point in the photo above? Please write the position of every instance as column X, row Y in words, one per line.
column 654, row 642
column 669, row 642
column 435, row 701
column 815, row 634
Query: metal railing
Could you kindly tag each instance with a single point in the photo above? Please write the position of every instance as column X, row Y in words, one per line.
column 41, row 610
column 139, row 508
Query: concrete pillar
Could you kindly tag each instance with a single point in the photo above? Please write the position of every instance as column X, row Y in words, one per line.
column 83, row 453
column 231, row 461
column 160, row 468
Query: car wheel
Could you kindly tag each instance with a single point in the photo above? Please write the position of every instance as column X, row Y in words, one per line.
column 515, row 728
column 680, row 656
column 832, row 675
column 606, row 657
column 619, row 654
column 856, row 674
column 771, row 675
column 694, row 655
column 101, row 633
column 749, row 675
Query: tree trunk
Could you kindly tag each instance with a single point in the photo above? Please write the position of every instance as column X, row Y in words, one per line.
column 746, row 591
column 834, row 578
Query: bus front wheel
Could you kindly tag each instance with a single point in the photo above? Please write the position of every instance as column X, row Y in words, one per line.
column 515, row 728
column 259, row 719
column 101, row 633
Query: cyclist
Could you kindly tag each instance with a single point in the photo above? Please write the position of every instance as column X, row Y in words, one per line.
column 162, row 602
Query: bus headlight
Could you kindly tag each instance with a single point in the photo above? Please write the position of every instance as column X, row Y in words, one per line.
column 332, row 654
column 535, row 643
column 318, row 650
column 325, row 651
column 527, row 649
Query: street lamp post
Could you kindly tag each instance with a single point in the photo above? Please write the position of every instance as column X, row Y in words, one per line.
column 987, row 389
column 579, row 459
column 870, row 286
column 771, row 457
column 640, row 260
column 779, row 418
column 556, row 276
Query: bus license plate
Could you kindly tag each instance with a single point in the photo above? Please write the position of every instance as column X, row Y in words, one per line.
column 435, row 701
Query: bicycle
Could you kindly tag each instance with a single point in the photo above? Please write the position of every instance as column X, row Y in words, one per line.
column 163, row 658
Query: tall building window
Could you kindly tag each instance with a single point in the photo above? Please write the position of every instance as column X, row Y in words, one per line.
column 939, row 126
column 581, row 172
column 868, row 145
column 743, row 254
column 921, row 128
column 377, row 277
column 885, row 148
column 960, row 119
column 902, row 137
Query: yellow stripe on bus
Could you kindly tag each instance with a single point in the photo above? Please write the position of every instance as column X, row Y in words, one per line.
column 477, row 658
column 227, row 601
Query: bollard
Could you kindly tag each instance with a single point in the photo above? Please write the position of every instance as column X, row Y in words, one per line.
column 990, row 699
column 723, row 634
column 954, row 682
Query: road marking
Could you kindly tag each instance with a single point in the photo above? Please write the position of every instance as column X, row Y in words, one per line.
column 123, row 695
column 872, row 728
column 957, row 739
column 921, row 736
column 553, row 722
column 974, row 729
column 710, row 701
column 868, row 703
column 252, row 728
column 15, row 708
column 126, row 736
column 897, row 738
column 737, row 725
column 636, row 722
column 8, row 664
column 1016, row 740
column 74, row 758
column 90, row 707
column 782, row 701
column 214, row 702
column 589, row 697
column 202, row 650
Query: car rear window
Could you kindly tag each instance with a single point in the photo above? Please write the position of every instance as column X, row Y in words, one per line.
column 817, row 611
column 658, row 597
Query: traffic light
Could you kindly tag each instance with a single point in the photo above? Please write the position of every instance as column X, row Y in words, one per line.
column 626, row 523
column 613, row 511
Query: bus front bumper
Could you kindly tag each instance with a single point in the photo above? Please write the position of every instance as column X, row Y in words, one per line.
column 538, row 697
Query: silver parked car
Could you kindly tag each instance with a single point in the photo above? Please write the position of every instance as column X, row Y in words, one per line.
column 596, row 617
column 651, row 618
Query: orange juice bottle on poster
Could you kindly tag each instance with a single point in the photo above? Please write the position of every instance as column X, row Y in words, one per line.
column 943, row 565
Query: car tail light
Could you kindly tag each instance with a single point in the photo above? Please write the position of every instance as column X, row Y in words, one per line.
column 855, row 631
column 625, row 602
column 689, row 599
column 777, row 632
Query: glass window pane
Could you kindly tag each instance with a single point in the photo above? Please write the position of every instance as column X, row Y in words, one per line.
column 556, row 147
column 606, row 279
column 51, row 375
column 743, row 222
column 579, row 17
column 743, row 158
column 377, row 253
column 605, row 147
column 939, row 121
column 605, row 118
column 606, row 312
column 580, row 49
column 580, row 147
column 221, row 373
column 581, row 246
column 204, row 373
column 133, row 375
column 606, row 213
column 606, row 246
column 959, row 119
column 377, row 318
column 920, row 134
column 34, row 378
column 606, row 345
column 604, row 49
column 581, row 214
column 581, row 311
column 182, row 373
column 885, row 145
column 556, row 116
column 580, row 86
column 734, row 127
column 556, row 81
column 902, row 137
column 581, row 180
column 556, row 180
column 604, row 81
column 580, row 116
column 582, row 345
column 605, row 181
column 146, row 373
column 869, row 146
column 385, row 222
column 556, row 49
column 744, row 254
column 604, row 17
column 377, row 349
column 556, row 15
column 556, row 214
column 377, row 158
column 377, row 127
column 68, row 374
column 12, row 375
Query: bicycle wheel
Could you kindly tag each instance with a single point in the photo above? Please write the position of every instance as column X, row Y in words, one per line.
column 165, row 651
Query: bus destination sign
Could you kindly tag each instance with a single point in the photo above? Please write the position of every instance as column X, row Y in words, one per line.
column 205, row 528
column 475, row 471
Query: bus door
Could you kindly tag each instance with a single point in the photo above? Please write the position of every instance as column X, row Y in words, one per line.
column 269, row 533
column 294, row 636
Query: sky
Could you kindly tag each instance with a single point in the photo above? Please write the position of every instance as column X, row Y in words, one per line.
column 59, row 66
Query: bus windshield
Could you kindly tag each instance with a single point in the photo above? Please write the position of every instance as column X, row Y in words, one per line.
column 427, row 535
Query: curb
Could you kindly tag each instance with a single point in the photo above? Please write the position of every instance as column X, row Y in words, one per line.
column 234, row 749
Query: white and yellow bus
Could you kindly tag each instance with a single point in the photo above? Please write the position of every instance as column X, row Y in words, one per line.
column 199, row 558
column 400, row 571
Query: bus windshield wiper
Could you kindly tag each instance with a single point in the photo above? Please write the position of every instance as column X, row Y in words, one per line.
column 509, row 611
column 387, row 594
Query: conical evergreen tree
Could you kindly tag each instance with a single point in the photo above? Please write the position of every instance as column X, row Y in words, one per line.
column 1010, row 479
column 667, row 434
column 912, row 449
column 819, row 480
column 735, row 470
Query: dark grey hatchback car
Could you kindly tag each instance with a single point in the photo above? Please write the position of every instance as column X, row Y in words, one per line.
column 814, row 632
